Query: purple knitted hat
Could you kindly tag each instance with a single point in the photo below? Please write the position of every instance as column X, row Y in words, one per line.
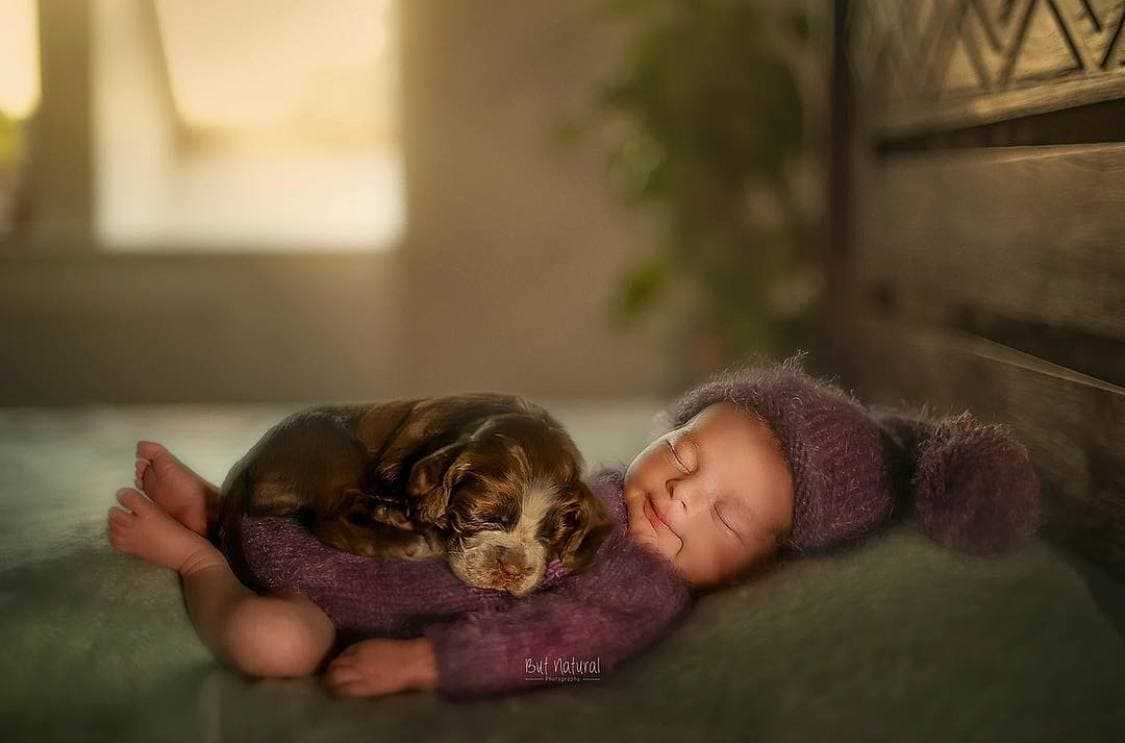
column 972, row 486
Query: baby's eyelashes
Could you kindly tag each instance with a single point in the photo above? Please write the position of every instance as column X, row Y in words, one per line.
column 725, row 524
column 676, row 458
column 683, row 453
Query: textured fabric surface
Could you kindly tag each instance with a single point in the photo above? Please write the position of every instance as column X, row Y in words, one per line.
column 486, row 642
column 972, row 485
column 897, row 639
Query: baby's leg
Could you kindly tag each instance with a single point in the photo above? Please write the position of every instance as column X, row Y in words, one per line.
column 257, row 635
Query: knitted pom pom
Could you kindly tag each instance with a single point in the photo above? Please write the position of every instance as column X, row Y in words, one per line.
column 975, row 488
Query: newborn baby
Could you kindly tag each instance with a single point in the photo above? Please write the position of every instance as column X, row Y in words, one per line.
column 756, row 462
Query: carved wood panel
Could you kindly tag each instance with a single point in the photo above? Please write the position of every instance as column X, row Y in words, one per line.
column 946, row 63
column 982, row 257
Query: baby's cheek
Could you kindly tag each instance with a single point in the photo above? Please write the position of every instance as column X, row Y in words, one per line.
column 709, row 556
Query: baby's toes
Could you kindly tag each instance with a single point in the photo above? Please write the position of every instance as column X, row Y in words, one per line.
column 121, row 518
column 134, row 501
column 119, row 528
column 141, row 467
column 149, row 450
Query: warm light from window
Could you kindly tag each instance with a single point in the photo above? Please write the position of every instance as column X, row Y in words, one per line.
column 246, row 126
column 323, row 71
column 19, row 58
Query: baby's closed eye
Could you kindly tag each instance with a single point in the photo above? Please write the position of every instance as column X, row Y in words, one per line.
column 683, row 453
column 723, row 521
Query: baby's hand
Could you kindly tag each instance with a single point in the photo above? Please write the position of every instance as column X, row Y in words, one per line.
column 372, row 668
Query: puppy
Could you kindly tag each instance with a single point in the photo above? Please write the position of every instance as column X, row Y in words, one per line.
column 492, row 482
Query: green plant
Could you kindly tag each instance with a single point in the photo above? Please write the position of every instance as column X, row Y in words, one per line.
column 708, row 122
column 11, row 140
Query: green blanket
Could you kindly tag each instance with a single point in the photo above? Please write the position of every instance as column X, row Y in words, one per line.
column 894, row 640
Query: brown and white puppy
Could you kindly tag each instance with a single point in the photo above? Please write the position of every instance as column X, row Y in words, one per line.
column 493, row 482
column 510, row 499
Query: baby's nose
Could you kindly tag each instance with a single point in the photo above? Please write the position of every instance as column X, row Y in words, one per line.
column 679, row 496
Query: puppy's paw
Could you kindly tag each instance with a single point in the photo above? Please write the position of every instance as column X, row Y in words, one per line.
column 392, row 516
column 406, row 547
column 364, row 509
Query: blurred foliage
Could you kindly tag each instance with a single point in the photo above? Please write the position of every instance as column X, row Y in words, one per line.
column 707, row 122
column 11, row 140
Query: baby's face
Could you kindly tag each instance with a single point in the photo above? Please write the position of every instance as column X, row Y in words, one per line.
column 711, row 496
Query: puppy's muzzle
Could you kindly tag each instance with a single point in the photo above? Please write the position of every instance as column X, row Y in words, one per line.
column 501, row 567
column 511, row 563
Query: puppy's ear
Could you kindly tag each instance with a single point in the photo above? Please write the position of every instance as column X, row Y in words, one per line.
column 584, row 526
column 431, row 482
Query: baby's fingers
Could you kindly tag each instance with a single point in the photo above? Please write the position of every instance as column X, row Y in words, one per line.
column 340, row 675
column 356, row 688
column 355, row 684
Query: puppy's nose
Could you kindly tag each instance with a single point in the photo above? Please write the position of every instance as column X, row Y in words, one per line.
column 511, row 561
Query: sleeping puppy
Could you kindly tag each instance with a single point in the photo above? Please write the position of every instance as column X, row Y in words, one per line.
column 492, row 482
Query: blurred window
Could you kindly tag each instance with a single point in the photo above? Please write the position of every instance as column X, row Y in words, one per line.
column 19, row 96
column 248, row 125
column 19, row 58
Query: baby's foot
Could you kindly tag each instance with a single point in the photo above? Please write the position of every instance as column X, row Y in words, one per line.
column 172, row 485
column 146, row 531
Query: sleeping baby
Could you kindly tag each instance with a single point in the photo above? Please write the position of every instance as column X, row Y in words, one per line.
column 757, row 463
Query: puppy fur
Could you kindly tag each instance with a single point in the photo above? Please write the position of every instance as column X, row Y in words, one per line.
column 492, row 482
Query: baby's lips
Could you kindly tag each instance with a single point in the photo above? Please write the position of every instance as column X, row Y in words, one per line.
column 650, row 506
column 653, row 516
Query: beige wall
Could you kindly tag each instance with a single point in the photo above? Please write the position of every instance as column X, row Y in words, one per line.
column 514, row 239
column 502, row 282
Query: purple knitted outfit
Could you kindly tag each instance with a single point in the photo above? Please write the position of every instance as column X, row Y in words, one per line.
column 484, row 640
column 971, row 486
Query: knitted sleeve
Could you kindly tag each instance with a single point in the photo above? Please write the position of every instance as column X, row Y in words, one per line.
column 581, row 627
column 483, row 639
column 363, row 597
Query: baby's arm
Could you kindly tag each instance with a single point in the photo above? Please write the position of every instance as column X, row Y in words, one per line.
column 362, row 596
column 623, row 604
column 491, row 652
